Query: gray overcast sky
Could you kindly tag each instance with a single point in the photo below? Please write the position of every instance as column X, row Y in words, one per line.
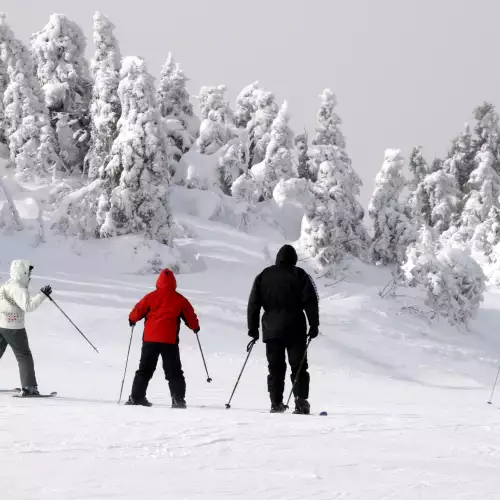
column 405, row 71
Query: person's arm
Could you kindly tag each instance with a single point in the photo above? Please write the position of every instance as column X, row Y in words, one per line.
column 189, row 316
column 21, row 297
column 140, row 311
column 254, row 307
column 310, row 301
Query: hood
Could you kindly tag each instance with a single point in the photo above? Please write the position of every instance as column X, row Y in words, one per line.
column 20, row 271
column 166, row 281
column 287, row 256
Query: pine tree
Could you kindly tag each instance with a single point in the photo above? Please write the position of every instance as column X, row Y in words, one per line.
column 393, row 229
column 105, row 109
column 231, row 165
column 217, row 127
column 26, row 124
column 58, row 52
column 278, row 160
column 259, row 127
column 460, row 162
column 301, row 157
column 175, row 107
column 246, row 105
column 4, row 81
column 139, row 161
column 487, row 132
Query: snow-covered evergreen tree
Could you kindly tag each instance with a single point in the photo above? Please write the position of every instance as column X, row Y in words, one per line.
column 59, row 55
column 394, row 231
column 487, row 132
column 26, row 124
column 217, row 127
column 259, row 127
column 105, row 108
column 175, row 107
column 460, row 162
column 231, row 165
column 417, row 205
column 487, row 234
column 277, row 163
column 246, row 105
column 454, row 281
column 139, row 161
column 246, row 190
column 301, row 157
column 4, row 81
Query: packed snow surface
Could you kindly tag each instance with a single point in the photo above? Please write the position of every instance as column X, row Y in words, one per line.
column 406, row 398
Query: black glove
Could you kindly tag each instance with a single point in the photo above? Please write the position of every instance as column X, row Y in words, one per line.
column 46, row 290
column 254, row 334
column 196, row 331
column 131, row 323
column 313, row 332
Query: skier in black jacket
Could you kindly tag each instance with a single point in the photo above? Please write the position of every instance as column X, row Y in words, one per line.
column 285, row 291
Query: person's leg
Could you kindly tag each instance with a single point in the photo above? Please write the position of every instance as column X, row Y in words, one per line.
column 147, row 366
column 275, row 352
column 3, row 344
column 18, row 341
column 174, row 375
column 296, row 350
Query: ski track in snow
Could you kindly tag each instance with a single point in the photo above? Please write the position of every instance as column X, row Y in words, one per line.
column 406, row 420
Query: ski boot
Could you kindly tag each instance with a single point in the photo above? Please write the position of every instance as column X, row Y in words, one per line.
column 140, row 402
column 30, row 391
column 178, row 403
column 302, row 407
column 278, row 407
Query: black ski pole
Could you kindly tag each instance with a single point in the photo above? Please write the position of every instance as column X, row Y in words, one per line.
column 249, row 350
column 203, row 357
column 69, row 319
column 494, row 387
column 298, row 371
column 126, row 365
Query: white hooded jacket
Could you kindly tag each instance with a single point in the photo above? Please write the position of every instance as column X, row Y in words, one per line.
column 15, row 298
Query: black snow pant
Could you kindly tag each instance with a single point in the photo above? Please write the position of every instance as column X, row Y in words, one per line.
column 276, row 350
column 172, row 367
column 18, row 341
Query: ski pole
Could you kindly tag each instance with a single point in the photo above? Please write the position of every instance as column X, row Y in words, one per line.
column 69, row 319
column 494, row 387
column 203, row 357
column 249, row 350
column 298, row 371
column 126, row 364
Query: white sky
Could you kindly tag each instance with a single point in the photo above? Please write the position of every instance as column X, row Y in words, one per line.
column 405, row 72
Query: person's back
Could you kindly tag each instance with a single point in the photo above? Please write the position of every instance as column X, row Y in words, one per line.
column 285, row 292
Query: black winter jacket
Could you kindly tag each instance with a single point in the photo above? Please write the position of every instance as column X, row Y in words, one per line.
column 284, row 291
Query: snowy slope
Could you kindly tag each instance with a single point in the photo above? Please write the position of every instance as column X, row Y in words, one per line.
column 406, row 399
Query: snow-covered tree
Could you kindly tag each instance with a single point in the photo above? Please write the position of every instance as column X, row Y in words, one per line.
column 487, row 131
column 454, row 281
column 277, row 163
column 333, row 223
column 417, row 205
column 217, row 127
column 246, row 105
column 105, row 109
column 26, row 124
column 301, row 157
column 487, row 234
column 437, row 199
column 61, row 67
column 231, row 165
column 460, row 162
column 394, row 231
column 181, row 124
column 138, row 161
column 4, row 81
column 259, row 127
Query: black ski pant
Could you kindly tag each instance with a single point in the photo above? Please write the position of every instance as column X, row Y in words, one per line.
column 18, row 341
column 172, row 367
column 276, row 350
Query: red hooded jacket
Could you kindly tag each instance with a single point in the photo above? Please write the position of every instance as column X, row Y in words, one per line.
column 163, row 310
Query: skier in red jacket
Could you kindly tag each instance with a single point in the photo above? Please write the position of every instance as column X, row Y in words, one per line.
column 162, row 311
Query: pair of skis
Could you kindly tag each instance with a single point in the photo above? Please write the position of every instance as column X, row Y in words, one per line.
column 18, row 393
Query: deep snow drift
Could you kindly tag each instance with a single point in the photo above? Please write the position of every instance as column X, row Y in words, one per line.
column 406, row 399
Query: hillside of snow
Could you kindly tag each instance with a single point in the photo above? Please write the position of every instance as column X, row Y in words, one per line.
column 405, row 395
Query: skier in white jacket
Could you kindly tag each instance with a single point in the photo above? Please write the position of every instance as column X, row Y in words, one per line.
column 15, row 301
